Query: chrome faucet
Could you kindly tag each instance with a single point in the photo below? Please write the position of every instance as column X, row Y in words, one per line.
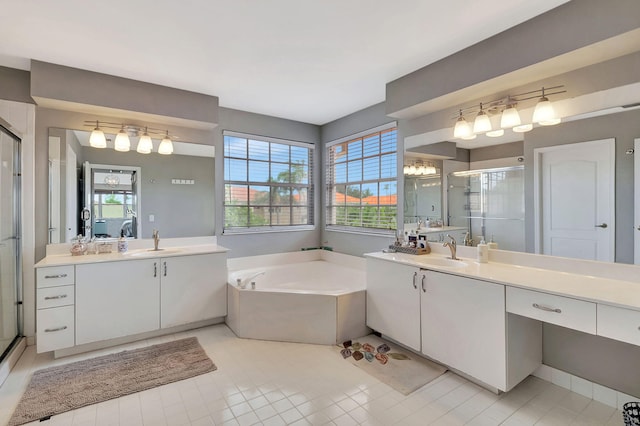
column 156, row 239
column 452, row 246
column 242, row 282
column 420, row 223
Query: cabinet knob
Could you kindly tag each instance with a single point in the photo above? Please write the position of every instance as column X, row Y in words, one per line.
column 415, row 275
column 424, row 290
column 60, row 296
column 155, row 269
column 546, row 308
column 56, row 276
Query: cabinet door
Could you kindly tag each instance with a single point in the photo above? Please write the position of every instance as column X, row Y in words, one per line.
column 393, row 301
column 463, row 326
column 193, row 288
column 115, row 299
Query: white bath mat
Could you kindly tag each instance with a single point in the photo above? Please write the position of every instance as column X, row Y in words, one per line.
column 398, row 368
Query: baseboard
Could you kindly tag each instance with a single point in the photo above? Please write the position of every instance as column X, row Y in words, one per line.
column 603, row 394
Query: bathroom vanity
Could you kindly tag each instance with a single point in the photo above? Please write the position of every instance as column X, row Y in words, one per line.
column 105, row 299
column 485, row 320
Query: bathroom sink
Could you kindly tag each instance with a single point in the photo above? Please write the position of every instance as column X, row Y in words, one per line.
column 442, row 261
column 152, row 252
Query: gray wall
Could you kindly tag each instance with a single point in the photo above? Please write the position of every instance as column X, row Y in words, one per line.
column 272, row 242
column 624, row 127
column 352, row 242
column 567, row 28
column 14, row 85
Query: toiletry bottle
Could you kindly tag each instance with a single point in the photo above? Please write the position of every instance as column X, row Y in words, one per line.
column 483, row 252
column 492, row 244
column 122, row 243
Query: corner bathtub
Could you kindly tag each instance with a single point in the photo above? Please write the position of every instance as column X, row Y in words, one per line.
column 310, row 301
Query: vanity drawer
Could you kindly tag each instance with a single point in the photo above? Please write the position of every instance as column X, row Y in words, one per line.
column 55, row 328
column 53, row 276
column 50, row 297
column 564, row 311
column 619, row 324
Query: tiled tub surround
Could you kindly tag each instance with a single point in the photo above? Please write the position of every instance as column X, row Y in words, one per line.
column 592, row 297
column 312, row 296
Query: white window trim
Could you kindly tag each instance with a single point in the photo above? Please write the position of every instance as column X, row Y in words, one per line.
column 355, row 229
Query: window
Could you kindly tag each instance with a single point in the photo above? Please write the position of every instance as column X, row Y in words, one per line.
column 361, row 180
column 267, row 183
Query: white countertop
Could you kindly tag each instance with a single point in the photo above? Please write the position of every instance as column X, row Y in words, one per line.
column 615, row 292
column 136, row 254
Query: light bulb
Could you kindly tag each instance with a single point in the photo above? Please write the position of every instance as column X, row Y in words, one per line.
column 405, row 170
column 166, row 146
column 431, row 170
column 145, row 145
column 462, row 128
column 412, row 170
column 97, row 138
column 551, row 122
column 421, row 170
column 122, row 142
column 472, row 136
column 523, row 128
column 510, row 117
column 482, row 122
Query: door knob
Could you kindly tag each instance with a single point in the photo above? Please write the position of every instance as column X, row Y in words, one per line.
column 602, row 225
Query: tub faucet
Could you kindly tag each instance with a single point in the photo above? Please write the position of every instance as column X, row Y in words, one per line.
column 452, row 246
column 156, row 239
column 242, row 282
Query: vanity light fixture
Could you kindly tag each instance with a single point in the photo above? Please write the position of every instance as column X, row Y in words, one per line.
column 419, row 168
column 145, row 144
column 544, row 114
column 97, row 138
column 482, row 122
column 125, row 132
column 166, row 146
column 462, row 128
column 122, row 142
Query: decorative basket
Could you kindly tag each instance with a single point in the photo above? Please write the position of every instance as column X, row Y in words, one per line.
column 411, row 250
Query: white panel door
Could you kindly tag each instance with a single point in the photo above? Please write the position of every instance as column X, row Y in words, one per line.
column 577, row 197
column 636, row 225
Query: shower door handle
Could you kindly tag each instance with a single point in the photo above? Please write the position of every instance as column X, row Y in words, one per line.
column 602, row 225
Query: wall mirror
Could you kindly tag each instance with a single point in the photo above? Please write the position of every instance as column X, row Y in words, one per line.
column 128, row 191
column 422, row 190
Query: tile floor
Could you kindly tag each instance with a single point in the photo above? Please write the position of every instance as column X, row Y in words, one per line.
column 272, row 383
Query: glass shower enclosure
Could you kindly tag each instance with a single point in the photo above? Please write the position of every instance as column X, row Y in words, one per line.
column 10, row 256
column 489, row 203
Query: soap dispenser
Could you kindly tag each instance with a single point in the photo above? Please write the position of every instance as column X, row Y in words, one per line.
column 483, row 252
column 123, row 245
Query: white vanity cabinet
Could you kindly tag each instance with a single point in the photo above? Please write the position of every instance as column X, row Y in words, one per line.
column 117, row 299
column 192, row 288
column 393, row 301
column 463, row 325
column 55, row 301
column 137, row 296
column 457, row 321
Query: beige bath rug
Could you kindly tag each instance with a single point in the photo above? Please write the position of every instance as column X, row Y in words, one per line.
column 67, row 387
column 398, row 368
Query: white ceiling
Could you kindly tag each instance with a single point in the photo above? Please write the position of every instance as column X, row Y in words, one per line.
column 311, row 61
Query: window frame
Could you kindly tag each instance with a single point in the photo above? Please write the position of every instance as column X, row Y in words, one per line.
column 329, row 184
column 309, row 186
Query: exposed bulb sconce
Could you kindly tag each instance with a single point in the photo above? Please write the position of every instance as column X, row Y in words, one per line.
column 166, row 146
column 122, row 141
column 543, row 114
column 482, row 122
column 97, row 138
